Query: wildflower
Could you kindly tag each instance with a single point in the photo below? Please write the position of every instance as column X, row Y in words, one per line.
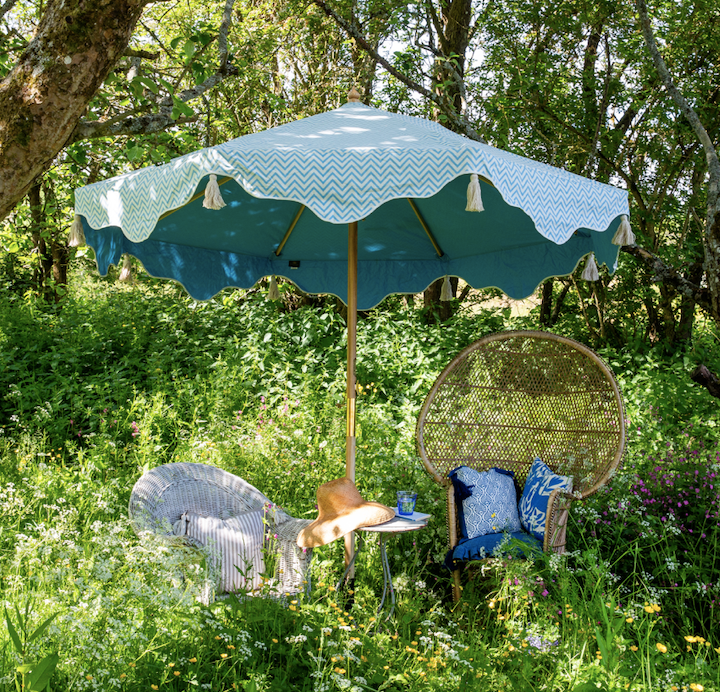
column 223, row 655
column 193, row 660
column 696, row 687
column 690, row 639
column 628, row 620
column 176, row 672
column 661, row 648
column 633, row 648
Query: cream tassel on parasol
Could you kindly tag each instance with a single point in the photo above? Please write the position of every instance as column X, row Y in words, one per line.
column 274, row 291
column 474, row 195
column 624, row 234
column 591, row 273
column 446, row 290
column 77, row 235
column 213, row 198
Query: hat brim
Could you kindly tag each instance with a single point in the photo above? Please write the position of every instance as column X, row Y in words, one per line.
column 325, row 530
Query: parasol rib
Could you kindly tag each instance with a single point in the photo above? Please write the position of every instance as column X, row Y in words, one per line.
column 290, row 229
column 427, row 230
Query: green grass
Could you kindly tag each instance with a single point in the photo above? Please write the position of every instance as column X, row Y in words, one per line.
column 124, row 379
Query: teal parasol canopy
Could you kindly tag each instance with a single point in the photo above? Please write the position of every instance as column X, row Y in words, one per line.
column 290, row 191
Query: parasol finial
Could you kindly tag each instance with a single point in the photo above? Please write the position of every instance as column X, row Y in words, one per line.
column 353, row 95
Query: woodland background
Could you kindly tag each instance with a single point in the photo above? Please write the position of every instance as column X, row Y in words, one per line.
column 95, row 88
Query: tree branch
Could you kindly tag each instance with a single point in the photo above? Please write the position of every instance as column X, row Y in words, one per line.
column 669, row 275
column 222, row 36
column 128, row 124
column 351, row 30
column 685, row 108
column 4, row 9
column 147, row 55
column 150, row 123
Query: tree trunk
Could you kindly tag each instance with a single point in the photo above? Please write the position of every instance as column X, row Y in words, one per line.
column 546, row 302
column 50, row 274
column 42, row 98
column 559, row 303
column 711, row 238
column 687, row 306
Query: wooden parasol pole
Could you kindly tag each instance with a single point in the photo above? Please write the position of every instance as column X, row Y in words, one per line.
column 351, row 390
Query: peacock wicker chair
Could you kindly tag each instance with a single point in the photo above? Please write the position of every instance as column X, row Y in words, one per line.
column 517, row 395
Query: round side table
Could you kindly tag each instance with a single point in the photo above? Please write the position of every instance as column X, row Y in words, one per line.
column 395, row 525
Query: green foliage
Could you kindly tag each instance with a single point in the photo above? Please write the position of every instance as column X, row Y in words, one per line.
column 125, row 378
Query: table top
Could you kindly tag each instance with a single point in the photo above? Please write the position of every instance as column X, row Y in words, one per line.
column 395, row 525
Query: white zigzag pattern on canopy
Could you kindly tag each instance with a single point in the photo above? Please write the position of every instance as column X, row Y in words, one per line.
column 342, row 181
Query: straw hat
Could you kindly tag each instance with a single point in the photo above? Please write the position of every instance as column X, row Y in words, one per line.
column 341, row 510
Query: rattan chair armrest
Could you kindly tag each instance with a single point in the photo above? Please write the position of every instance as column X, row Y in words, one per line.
column 556, row 520
column 452, row 518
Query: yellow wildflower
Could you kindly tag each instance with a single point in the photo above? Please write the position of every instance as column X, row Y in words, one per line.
column 661, row 648
column 633, row 648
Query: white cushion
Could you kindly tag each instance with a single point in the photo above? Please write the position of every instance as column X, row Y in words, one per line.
column 237, row 543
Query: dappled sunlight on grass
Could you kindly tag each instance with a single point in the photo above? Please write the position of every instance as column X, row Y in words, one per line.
column 125, row 381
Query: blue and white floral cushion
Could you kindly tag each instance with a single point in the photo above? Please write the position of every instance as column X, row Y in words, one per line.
column 541, row 481
column 487, row 501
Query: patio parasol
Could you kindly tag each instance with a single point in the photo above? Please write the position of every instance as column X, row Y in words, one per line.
column 277, row 203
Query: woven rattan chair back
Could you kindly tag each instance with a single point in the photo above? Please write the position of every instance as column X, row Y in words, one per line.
column 514, row 396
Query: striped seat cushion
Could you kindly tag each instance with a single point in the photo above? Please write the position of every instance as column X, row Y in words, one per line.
column 236, row 544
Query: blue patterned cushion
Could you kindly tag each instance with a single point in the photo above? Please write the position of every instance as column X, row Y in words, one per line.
column 541, row 481
column 519, row 544
column 486, row 501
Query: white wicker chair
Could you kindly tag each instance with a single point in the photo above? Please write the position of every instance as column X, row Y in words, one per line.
column 164, row 493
